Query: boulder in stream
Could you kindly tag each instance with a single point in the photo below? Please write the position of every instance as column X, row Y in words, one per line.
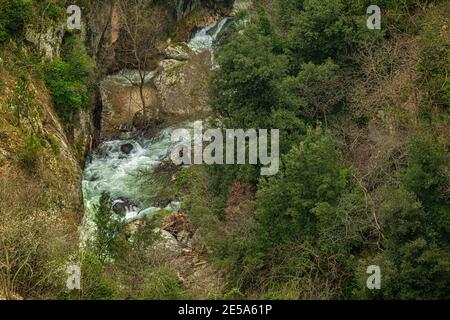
column 126, row 148
column 122, row 206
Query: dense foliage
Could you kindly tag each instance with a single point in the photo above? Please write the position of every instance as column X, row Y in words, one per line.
column 69, row 79
column 14, row 14
column 365, row 168
column 312, row 230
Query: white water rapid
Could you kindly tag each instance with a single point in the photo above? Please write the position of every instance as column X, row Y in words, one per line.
column 204, row 38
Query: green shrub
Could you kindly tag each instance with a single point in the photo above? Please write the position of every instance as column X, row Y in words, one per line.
column 14, row 14
column 415, row 261
column 163, row 284
column 94, row 284
column 55, row 11
column 69, row 94
column 315, row 91
column 427, row 172
column 245, row 88
column 312, row 179
column 329, row 29
column 82, row 66
column 286, row 10
column 109, row 236
column 31, row 152
column 234, row 294
column 69, row 79
column 3, row 35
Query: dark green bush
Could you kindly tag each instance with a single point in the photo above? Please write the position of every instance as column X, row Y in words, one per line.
column 14, row 14
column 435, row 55
column 109, row 235
column 315, row 91
column 163, row 284
column 329, row 29
column 94, row 283
column 69, row 79
column 312, row 180
column 415, row 262
column 69, row 94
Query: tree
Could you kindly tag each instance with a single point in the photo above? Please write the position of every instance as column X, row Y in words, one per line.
column 141, row 22
column 415, row 263
column 427, row 173
column 328, row 29
column 245, row 87
column 109, row 236
column 286, row 10
column 315, row 91
column 309, row 186
column 95, row 284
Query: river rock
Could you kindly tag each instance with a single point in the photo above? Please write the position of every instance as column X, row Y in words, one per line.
column 182, row 86
column 184, row 238
column 168, row 242
column 119, row 207
column 122, row 206
column 127, row 148
column 92, row 177
column 178, row 52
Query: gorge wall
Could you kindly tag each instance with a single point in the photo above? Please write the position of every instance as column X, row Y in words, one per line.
column 175, row 78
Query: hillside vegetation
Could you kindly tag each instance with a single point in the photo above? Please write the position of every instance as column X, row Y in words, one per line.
column 364, row 121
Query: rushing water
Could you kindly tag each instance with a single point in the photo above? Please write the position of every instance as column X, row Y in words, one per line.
column 204, row 38
column 116, row 169
column 116, row 165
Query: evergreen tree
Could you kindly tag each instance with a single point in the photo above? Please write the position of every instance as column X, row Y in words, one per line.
column 109, row 236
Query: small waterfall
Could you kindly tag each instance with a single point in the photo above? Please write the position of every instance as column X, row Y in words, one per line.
column 204, row 38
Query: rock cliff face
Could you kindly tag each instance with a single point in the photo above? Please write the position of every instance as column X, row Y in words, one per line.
column 122, row 106
column 48, row 42
column 182, row 85
column 176, row 89
column 35, row 148
column 102, row 32
column 182, row 8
